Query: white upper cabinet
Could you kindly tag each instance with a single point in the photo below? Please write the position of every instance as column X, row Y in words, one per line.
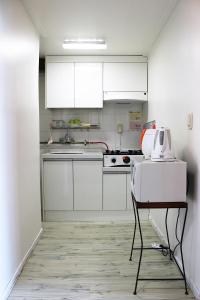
column 88, row 85
column 125, row 77
column 59, row 85
column 84, row 82
column 74, row 85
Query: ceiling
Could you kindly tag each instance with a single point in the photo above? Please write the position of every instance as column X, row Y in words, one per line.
column 129, row 27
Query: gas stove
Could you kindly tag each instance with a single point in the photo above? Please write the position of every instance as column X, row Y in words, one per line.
column 117, row 158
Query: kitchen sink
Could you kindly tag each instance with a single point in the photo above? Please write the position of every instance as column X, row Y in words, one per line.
column 67, row 152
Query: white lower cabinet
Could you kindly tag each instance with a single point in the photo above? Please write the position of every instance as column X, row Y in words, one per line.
column 57, row 185
column 117, row 191
column 129, row 204
column 114, row 191
column 87, row 185
column 80, row 185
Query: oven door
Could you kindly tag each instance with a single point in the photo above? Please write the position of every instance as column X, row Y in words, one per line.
column 122, row 169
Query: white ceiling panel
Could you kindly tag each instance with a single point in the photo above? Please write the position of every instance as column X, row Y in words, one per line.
column 128, row 26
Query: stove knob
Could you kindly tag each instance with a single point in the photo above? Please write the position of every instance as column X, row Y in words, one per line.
column 113, row 160
column 126, row 159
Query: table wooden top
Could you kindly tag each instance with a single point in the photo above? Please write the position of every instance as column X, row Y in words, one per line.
column 150, row 205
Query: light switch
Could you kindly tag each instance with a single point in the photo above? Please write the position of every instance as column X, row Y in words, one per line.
column 190, row 121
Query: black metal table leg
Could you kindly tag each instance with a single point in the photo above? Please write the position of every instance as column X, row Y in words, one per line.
column 168, row 241
column 180, row 242
column 141, row 250
column 181, row 250
column 135, row 225
column 167, row 205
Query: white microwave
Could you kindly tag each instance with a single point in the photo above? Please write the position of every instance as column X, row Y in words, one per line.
column 159, row 181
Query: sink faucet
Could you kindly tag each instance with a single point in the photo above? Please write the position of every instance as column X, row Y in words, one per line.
column 68, row 138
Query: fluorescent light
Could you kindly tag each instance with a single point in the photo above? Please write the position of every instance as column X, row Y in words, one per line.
column 84, row 44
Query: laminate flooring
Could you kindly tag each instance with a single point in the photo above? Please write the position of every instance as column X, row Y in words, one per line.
column 90, row 261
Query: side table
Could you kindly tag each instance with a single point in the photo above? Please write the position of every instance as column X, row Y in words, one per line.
column 159, row 205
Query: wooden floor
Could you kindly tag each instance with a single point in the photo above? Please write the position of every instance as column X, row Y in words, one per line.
column 90, row 261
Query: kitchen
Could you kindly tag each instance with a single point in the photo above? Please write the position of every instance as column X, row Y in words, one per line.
column 162, row 34
column 93, row 187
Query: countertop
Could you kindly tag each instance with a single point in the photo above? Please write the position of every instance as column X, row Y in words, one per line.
column 58, row 146
column 77, row 154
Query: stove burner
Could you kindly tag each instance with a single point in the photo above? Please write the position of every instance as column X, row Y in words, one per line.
column 128, row 152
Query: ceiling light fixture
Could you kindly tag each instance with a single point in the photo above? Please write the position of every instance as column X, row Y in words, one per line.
column 84, row 44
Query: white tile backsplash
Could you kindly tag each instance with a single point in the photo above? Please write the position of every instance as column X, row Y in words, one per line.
column 129, row 140
column 45, row 120
column 103, row 136
column 44, row 135
column 80, row 135
column 108, row 118
column 108, row 122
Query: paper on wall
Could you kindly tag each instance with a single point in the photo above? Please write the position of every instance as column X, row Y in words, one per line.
column 135, row 121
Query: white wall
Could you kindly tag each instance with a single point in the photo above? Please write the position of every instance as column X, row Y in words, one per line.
column 174, row 72
column 19, row 134
column 108, row 118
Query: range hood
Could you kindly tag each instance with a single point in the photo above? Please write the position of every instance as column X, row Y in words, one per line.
column 125, row 96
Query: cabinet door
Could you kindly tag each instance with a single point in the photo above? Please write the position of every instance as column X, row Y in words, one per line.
column 121, row 77
column 87, row 185
column 129, row 204
column 58, row 185
column 59, row 85
column 88, row 85
column 114, row 191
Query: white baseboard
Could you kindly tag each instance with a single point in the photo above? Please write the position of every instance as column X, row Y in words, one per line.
column 193, row 287
column 62, row 216
column 20, row 267
column 157, row 229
